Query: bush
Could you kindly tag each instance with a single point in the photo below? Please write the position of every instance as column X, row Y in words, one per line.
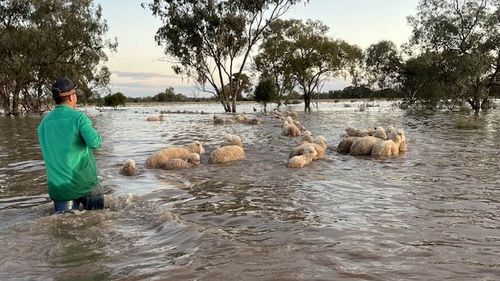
column 115, row 100
column 265, row 92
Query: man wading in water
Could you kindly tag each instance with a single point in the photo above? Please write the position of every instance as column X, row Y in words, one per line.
column 67, row 139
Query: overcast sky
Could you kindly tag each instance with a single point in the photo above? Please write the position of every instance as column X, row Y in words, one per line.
column 139, row 67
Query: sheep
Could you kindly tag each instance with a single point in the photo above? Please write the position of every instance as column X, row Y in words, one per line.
column 175, row 164
column 129, row 168
column 403, row 145
column 352, row 132
column 380, row 133
column 226, row 154
column 308, row 137
column 363, row 146
column 254, row 121
column 299, row 161
column 232, row 140
column 321, row 141
column 387, row 147
column 160, row 117
column 289, row 128
column 344, row 147
column 181, row 152
column 299, row 150
column 390, row 130
column 218, row 120
column 240, row 118
column 292, row 114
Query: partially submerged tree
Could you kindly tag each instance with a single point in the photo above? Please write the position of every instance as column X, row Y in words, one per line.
column 307, row 54
column 212, row 40
column 265, row 92
column 383, row 64
column 467, row 36
column 115, row 100
column 42, row 40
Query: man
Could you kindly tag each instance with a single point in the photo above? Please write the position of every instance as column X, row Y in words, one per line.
column 67, row 139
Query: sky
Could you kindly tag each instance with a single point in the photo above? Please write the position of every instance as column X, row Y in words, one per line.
column 140, row 67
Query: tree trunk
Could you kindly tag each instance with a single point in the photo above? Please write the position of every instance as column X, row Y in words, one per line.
column 226, row 106
column 4, row 95
column 307, row 102
column 15, row 103
column 475, row 103
column 234, row 105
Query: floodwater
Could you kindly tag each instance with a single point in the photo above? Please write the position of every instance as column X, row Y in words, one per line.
column 430, row 214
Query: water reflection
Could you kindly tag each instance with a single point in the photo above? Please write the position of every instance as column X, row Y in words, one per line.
column 428, row 214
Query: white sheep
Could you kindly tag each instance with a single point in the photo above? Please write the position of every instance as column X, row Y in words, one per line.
column 253, row 121
column 403, row 145
column 226, row 154
column 290, row 130
column 363, row 146
column 299, row 150
column 344, row 147
column 380, row 133
column 232, row 140
column 321, row 140
column 308, row 137
column 292, row 114
column 175, row 164
column 240, row 118
column 160, row 117
column 387, row 147
column 299, row 161
column 352, row 132
column 129, row 168
column 173, row 152
column 390, row 130
column 218, row 120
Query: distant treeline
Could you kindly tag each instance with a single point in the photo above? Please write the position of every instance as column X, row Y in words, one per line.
column 351, row 92
column 452, row 58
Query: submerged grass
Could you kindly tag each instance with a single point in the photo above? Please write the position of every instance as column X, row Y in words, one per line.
column 469, row 122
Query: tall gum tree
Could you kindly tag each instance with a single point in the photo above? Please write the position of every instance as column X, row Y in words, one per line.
column 42, row 40
column 466, row 34
column 303, row 51
column 211, row 40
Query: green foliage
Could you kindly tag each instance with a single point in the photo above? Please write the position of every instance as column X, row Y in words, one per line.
column 304, row 54
column 169, row 96
column 265, row 92
column 383, row 64
column 421, row 81
column 466, row 38
column 212, row 40
column 43, row 40
column 115, row 100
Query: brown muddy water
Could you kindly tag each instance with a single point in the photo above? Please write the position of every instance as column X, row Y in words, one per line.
column 430, row 214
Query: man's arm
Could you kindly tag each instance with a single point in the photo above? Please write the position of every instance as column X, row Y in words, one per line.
column 89, row 134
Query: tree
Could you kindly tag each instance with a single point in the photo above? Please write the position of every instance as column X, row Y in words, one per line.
column 267, row 62
column 467, row 36
column 421, row 80
column 115, row 100
column 212, row 40
column 306, row 54
column 244, row 86
column 383, row 64
column 42, row 40
column 265, row 92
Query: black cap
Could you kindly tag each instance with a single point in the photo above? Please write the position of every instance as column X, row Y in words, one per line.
column 62, row 86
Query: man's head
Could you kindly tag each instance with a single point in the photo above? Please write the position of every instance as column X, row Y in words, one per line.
column 64, row 91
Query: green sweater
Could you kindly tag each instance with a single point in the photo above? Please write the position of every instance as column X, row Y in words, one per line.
column 66, row 139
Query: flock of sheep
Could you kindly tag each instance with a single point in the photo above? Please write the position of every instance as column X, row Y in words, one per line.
column 375, row 142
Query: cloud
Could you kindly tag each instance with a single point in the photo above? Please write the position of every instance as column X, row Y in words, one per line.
column 144, row 75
